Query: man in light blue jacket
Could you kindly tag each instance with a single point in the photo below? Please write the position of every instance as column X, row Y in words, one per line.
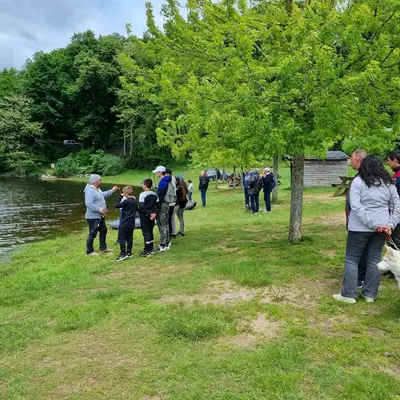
column 95, row 211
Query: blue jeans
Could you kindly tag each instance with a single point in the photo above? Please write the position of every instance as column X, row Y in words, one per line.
column 203, row 196
column 267, row 199
column 357, row 242
column 255, row 204
column 190, row 196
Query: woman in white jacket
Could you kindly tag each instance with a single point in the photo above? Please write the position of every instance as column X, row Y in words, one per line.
column 375, row 212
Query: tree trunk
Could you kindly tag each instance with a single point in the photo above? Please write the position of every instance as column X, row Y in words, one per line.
column 296, row 199
column 125, row 140
column 241, row 179
column 131, row 140
column 275, row 167
column 234, row 178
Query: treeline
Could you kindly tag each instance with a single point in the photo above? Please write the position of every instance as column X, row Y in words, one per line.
column 74, row 93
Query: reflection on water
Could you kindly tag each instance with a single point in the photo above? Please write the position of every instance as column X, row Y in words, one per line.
column 36, row 209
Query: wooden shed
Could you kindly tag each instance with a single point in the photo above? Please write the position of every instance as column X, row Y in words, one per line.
column 325, row 172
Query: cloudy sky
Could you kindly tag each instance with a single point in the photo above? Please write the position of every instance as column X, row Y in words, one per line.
column 28, row 26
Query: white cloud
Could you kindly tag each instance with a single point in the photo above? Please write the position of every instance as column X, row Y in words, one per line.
column 29, row 26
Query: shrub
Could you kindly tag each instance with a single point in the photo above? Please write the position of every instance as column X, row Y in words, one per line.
column 66, row 167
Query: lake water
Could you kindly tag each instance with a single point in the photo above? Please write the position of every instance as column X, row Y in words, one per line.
column 31, row 210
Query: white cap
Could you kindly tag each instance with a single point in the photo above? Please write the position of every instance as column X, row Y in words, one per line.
column 267, row 170
column 160, row 168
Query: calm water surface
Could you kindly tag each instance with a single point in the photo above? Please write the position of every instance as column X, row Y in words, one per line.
column 31, row 210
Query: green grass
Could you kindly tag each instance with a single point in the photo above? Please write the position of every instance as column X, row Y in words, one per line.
column 232, row 311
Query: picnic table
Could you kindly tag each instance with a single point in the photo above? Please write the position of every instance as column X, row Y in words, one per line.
column 343, row 187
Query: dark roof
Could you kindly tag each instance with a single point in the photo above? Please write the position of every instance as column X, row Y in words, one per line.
column 331, row 155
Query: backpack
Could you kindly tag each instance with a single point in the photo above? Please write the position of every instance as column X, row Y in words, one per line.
column 170, row 196
column 273, row 183
column 258, row 184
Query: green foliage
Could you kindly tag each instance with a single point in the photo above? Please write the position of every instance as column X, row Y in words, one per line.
column 348, row 146
column 86, row 162
column 10, row 83
column 67, row 167
column 105, row 164
column 19, row 135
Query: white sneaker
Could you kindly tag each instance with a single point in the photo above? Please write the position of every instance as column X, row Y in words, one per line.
column 369, row 299
column 93, row 254
column 348, row 300
column 168, row 246
column 162, row 248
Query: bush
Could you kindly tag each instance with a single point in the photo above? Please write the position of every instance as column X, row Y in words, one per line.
column 66, row 167
column 105, row 164
column 86, row 162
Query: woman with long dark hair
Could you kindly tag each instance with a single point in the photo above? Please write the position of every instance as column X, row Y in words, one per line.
column 375, row 211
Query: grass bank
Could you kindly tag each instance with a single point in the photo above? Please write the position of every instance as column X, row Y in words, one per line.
column 232, row 311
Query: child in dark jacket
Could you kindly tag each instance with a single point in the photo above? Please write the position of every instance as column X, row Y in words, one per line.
column 148, row 211
column 128, row 205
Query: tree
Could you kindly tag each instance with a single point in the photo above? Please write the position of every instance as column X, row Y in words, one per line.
column 278, row 77
column 18, row 135
column 10, row 82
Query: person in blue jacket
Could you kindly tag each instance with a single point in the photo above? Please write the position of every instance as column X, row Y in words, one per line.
column 96, row 209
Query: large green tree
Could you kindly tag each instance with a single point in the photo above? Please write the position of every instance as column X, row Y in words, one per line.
column 279, row 76
column 19, row 135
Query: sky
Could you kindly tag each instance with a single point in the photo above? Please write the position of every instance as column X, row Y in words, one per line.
column 28, row 26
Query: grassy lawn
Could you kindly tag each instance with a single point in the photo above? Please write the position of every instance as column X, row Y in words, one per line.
column 232, row 311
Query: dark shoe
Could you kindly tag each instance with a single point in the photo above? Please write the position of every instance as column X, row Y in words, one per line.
column 161, row 248
column 129, row 255
column 122, row 257
column 180, row 234
column 144, row 254
column 173, row 235
column 360, row 285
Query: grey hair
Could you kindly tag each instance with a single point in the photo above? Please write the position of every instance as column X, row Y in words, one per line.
column 361, row 154
column 257, row 170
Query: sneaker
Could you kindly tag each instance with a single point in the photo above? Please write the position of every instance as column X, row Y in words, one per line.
column 173, row 235
column 369, row 299
column 122, row 257
column 360, row 285
column 265, row 210
column 93, row 254
column 154, row 251
column 129, row 255
column 339, row 297
column 168, row 246
column 105, row 251
column 180, row 234
column 144, row 254
column 162, row 248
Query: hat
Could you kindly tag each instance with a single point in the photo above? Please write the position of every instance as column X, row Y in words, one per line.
column 94, row 178
column 267, row 170
column 160, row 168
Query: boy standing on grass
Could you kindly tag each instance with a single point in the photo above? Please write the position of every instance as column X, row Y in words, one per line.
column 190, row 190
column 147, row 210
column 127, row 203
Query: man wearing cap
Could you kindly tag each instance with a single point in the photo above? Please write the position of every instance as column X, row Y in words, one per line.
column 95, row 211
column 268, row 179
column 163, row 208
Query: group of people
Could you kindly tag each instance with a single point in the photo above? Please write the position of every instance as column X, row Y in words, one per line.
column 373, row 216
column 162, row 206
column 253, row 183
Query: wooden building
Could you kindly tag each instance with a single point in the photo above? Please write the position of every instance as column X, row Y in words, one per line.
column 325, row 172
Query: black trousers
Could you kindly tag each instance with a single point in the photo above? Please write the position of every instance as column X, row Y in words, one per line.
column 125, row 238
column 96, row 225
column 170, row 216
column 147, row 226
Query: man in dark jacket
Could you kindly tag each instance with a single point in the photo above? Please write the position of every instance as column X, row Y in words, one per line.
column 267, row 183
column 254, row 191
column 203, row 186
